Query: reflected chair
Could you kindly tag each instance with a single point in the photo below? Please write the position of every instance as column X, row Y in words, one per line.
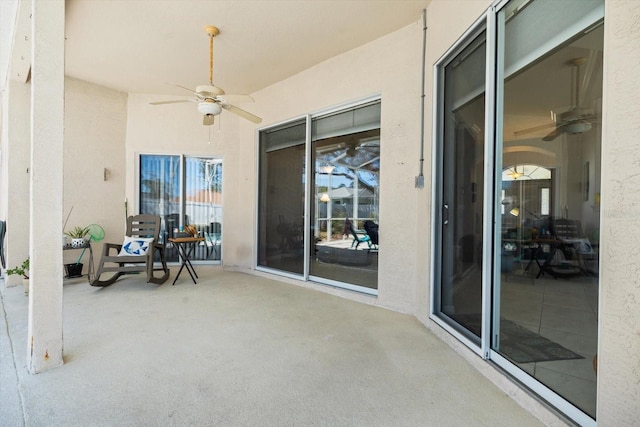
column 114, row 260
column 172, row 223
column 569, row 250
column 372, row 231
column 565, row 229
column 213, row 239
column 359, row 236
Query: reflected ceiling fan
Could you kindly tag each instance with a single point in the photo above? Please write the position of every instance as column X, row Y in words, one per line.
column 576, row 119
column 211, row 99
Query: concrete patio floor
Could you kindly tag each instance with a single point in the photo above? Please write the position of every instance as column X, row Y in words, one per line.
column 238, row 350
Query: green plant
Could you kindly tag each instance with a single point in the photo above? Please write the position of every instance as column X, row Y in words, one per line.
column 77, row 232
column 22, row 270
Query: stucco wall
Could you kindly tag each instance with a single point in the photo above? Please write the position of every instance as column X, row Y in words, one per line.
column 376, row 68
column 379, row 67
column 174, row 129
column 619, row 313
column 94, row 139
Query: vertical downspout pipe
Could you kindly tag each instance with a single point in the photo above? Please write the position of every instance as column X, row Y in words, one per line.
column 420, row 177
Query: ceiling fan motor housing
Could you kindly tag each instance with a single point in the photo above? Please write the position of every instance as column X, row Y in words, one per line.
column 209, row 108
column 577, row 127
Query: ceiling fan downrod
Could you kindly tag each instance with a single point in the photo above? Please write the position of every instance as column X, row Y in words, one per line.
column 212, row 32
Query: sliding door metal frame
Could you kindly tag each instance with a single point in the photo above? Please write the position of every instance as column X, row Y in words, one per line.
column 490, row 134
column 308, row 170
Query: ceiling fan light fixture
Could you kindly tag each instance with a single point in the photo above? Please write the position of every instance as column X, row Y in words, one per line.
column 577, row 127
column 209, row 108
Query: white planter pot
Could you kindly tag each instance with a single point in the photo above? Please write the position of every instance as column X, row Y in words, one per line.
column 25, row 284
column 77, row 243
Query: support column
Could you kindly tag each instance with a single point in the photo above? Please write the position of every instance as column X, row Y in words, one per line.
column 47, row 133
column 16, row 143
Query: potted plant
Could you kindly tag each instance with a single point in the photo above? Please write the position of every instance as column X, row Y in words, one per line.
column 22, row 270
column 77, row 235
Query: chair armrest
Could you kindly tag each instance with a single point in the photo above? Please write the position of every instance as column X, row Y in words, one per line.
column 108, row 246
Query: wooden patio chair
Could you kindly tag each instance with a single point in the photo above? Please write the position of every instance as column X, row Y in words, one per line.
column 136, row 254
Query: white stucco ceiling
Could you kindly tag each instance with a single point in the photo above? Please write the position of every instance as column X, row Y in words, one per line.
column 147, row 45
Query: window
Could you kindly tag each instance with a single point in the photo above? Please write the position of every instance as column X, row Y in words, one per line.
column 184, row 190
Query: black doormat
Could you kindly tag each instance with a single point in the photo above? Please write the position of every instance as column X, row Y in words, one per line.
column 518, row 343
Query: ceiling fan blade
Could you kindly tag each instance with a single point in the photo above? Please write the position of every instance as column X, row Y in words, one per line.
column 533, row 129
column 171, row 102
column 554, row 133
column 235, row 99
column 208, row 119
column 242, row 113
column 185, row 88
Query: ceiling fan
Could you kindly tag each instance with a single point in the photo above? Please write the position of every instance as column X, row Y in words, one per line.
column 575, row 120
column 212, row 99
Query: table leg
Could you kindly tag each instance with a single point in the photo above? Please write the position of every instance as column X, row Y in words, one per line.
column 184, row 256
column 90, row 268
column 189, row 255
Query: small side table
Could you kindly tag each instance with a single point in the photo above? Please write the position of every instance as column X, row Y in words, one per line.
column 185, row 247
column 86, row 245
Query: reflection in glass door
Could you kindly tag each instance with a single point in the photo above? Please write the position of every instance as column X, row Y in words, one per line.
column 459, row 300
column 321, row 223
column 184, row 191
column 346, row 194
column 203, row 204
column 546, row 294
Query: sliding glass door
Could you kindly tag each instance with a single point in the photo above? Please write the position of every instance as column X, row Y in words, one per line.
column 528, row 298
column 184, row 190
column 322, row 223
column 281, row 212
column 461, row 158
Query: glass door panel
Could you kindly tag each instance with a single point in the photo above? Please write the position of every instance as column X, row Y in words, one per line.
column 184, row 191
column 282, row 198
column 546, row 295
column 203, row 204
column 160, row 194
column 459, row 300
column 345, row 185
